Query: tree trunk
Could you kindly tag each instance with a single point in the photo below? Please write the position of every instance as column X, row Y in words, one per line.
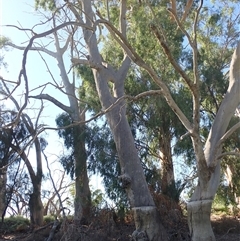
column 35, row 202
column 82, row 202
column 3, row 182
column 167, row 172
column 146, row 217
column 147, row 222
column 199, row 220
column 36, row 208
column 199, row 207
column 148, row 225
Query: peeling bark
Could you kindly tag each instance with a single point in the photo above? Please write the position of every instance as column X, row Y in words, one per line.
column 148, row 225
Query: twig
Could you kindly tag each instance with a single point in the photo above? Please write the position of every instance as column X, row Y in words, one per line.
column 227, row 232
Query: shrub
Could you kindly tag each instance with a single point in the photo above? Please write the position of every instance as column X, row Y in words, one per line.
column 15, row 223
column 48, row 219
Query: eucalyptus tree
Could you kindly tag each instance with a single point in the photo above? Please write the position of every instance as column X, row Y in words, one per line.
column 208, row 152
column 109, row 81
column 64, row 44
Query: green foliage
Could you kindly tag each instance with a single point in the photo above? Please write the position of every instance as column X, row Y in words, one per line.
column 87, row 91
column 67, row 134
column 46, row 4
column 221, row 201
column 16, row 223
column 97, row 197
column 48, row 219
column 3, row 42
column 103, row 160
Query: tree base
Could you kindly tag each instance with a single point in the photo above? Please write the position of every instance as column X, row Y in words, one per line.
column 148, row 225
column 199, row 220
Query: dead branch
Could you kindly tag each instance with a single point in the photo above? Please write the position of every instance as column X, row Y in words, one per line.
column 52, row 100
column 54, row 186
column 54, row 227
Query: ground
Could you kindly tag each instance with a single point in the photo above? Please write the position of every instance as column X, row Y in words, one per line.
column 104, row 227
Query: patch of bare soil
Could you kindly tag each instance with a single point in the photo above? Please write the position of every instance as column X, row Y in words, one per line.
column 105, row 226
column 226, row 228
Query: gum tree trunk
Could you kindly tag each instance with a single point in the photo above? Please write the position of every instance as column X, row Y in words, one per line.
column 3, row 182
column 82, row 202
column 36, row 207
column 199, row 207
column 147, row 220
column 35, row 202
column 167, row 172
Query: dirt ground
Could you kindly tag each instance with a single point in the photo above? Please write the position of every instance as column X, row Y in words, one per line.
column 226, row 228
column 105, row 228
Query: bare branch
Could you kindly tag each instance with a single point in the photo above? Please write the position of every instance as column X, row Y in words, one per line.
column 228, row 133
column 230, row 153
column 54, row 186
column 170, row 57
column 53, row 100
column 8, row 81
column 41, row 49
column 122, row 18
column 22, row 29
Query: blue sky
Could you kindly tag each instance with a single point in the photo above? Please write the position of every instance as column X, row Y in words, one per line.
column 22, row 13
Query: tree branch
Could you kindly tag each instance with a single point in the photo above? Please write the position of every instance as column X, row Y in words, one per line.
column 225, row 112
column 41, row 49
column 170, row 57
column 140, row 62
column 122, row 18
column 53, row 100
column 228, row 134
column 230, row 153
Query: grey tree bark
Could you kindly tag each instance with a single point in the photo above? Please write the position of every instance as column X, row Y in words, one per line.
column 147, row 220
column 199, row 207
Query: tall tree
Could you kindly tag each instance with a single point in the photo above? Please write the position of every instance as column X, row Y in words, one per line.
column 110, row 87
column 74, row 110
column 207, row 154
